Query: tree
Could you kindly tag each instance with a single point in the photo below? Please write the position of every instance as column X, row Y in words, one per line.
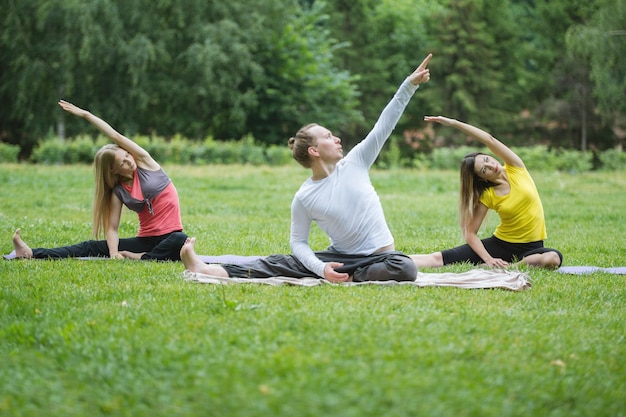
column 302, row 83
column 480, row 71
column 36, row 47
column 563, row 110
column 197, row 68
column 601, row 42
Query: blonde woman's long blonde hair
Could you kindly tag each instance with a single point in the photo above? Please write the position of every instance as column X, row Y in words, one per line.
column 472, row 187
column 105, row 181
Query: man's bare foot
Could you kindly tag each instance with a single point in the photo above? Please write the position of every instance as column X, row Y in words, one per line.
column 189, row 257
column 193, row 263
column 22, row 250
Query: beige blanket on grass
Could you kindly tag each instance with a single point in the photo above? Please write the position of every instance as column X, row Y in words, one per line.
column 474, row 279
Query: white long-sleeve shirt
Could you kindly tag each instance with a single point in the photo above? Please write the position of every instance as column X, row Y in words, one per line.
column 345, row 204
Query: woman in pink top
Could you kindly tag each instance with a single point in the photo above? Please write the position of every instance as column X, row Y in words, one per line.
column 125, row 174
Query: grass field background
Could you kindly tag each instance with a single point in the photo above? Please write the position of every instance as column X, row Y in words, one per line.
column 126, row 338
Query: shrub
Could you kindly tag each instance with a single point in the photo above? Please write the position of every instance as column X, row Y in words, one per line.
column 9, row 153
column 391, row 157
column 420, row 161
column 537, row 158
column 573, row 161
column 612, row 160
column 278, row 155
column 450, row 158
column 49, row 152
column 227, row 153
column 156, row 146
column 180, row 150
column 252, row 153
column 80, row 150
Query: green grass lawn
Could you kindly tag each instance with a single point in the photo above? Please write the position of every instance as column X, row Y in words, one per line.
column 124, row 338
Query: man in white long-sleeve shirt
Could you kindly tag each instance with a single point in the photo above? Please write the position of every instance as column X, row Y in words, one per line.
column 341, row 199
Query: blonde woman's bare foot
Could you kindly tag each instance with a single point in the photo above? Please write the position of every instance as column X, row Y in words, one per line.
column 131, row 255
column 193, row 263
column 22, row 250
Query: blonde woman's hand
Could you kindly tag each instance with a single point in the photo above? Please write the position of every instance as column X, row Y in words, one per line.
column 70, row 108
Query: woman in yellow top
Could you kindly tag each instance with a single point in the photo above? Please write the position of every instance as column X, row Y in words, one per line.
column 511, row 192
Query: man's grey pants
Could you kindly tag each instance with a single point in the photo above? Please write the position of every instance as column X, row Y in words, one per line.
column 384, row 266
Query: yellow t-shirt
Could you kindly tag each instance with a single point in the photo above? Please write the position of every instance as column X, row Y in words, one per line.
column 520, row 211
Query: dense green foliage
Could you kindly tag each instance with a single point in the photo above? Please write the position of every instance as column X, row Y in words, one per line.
column 537, row 72
column 246, row 151
column 9, row 153
column 124, row 338
column 195, row 68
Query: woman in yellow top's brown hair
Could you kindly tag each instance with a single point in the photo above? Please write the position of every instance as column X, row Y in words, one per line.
column 511, row 192
column 125, row 174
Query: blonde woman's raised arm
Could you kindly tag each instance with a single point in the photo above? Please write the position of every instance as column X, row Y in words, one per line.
column 143, row 158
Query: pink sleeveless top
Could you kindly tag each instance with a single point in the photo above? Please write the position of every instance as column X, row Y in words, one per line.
column 155, row 200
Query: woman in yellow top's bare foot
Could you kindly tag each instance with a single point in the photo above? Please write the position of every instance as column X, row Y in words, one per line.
column 22, row 250
column 193, row 263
